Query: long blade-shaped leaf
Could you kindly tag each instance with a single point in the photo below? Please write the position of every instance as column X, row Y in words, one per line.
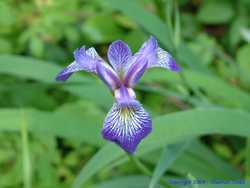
column 45, row 72
column 173, row 128
column 169, row 155
column 148, row 21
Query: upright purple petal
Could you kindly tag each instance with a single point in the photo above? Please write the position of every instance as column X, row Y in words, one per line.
column 127, row 125
column 119, row 55
column 156, row 56
column 84, row 60
column 108, row 75
column 148, row 51
column 135, row 72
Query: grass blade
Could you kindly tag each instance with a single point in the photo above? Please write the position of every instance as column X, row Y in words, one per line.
column 169, row 155
column 147, row 20
column 25, row 154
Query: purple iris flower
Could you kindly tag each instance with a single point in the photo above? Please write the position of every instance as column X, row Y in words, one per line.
column 127, row 123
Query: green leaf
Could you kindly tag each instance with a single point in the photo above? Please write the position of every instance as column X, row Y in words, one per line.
column 145, row 19
column 171, row 129
column 247, row 163
column 215, row 12
column 72, row 122
column 169, row 155
column 5, row 46
column 158, row 28
column 243, row 57
column 101, row 29
column 29, row 68
column 125, row 182
column 27, row 174
column 200, row 161
column 215, row 88
column 244, row 63
column 104, row 157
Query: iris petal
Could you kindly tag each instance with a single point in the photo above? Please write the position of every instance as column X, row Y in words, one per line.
column 84, row 60
column 148, row 51
column 165, row 60
column 108, row 75
column 119, row 55
column 156, row 56
column 127, row 125
column 135, row 72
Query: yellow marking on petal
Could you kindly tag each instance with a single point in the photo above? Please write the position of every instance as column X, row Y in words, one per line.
column 126, row 112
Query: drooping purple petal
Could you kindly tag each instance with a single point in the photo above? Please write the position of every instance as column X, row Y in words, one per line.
column 135, row 72
column 119, row 55
column 68, row 71
column 84, row 60
column 108, row 75
column 127, row 125
column 165, row 60
column 156, row 56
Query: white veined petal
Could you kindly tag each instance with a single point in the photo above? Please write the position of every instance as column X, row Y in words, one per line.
column 127, row 125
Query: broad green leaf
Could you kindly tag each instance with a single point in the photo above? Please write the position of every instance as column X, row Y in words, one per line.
column 135, row 181
column 171, row 129
column 243, row 57
column 5, row 46
column 29, row 68
column 167, row 129
column 215, row 12
column 204, row 154
column 236, row 30
column 244, row 63
column 69, row 122
column 158, row 28
column 168, row 156
column 101, row 28
column 200, row 161
column 107, row 155
column 220, row 91
column 186, row 55
column 247, row 163
column 145, row 19
column 245, row 32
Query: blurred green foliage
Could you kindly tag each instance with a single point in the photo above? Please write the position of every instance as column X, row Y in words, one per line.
column 50, row 132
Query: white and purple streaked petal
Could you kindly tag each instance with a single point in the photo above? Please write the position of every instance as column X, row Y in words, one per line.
column 165, row 60
column 148, row 50
column 135, row 72
column 93, row 53
column 119, row 55
column 84, row 60
column 127, row 125
column 156, row 56
column 107, row 75
column 68, row 71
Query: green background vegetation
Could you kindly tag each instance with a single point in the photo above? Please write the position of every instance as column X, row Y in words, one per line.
column 50, row 132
